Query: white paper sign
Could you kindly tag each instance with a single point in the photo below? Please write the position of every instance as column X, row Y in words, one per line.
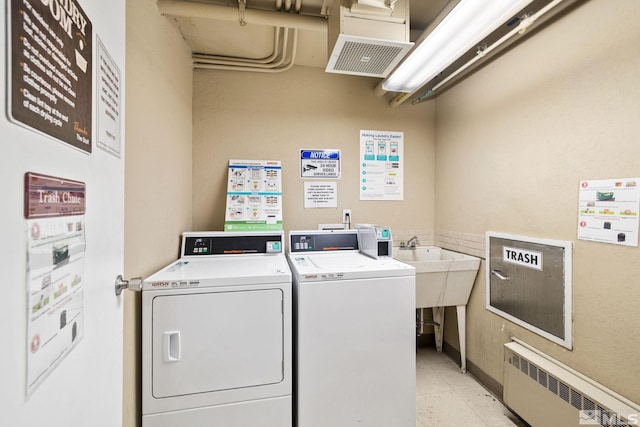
column 109, row 103
column 320, row 195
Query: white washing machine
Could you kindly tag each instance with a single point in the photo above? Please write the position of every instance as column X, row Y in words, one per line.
column 217, row 334
column 354, row 334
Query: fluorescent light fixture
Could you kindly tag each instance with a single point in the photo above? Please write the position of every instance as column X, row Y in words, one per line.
column 464, row 27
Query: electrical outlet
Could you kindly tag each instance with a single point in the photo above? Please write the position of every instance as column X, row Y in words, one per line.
column 346, row 216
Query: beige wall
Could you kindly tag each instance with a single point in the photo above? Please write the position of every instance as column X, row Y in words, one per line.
column 272, row 116
column 512, row 143
column 157, row 165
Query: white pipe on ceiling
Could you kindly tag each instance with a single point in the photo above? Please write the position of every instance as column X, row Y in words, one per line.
column 278, row 47
column 281, row 57
column 283, row 65
column 189, row 9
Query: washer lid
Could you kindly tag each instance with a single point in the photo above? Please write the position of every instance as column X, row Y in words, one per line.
column 230, row 270
column 341, row 265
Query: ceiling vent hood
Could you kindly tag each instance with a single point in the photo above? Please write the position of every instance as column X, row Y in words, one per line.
column 367, row 37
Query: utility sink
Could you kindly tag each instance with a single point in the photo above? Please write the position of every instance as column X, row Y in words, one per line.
column 443, row 277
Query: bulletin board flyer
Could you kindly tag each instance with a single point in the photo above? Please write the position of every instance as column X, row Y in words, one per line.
column 254, row 196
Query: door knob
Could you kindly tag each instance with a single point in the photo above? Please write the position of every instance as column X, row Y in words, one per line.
column 134, row 284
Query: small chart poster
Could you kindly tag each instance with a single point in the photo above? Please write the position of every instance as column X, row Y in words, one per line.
column 254, row 196
column 381, row 165
column 608, row 211
column 50, row 69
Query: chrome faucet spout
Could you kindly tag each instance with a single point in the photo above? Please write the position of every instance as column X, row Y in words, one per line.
column 413, row 242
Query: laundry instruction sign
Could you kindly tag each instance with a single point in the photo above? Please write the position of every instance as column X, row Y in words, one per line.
column 521, row 257
column 320, row 163
column 254, row 196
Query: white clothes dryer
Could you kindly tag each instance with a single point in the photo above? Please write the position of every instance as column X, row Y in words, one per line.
column 354, row 334
column 217, row 334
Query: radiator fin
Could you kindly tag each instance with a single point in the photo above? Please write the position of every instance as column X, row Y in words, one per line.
column 553, row 385
column 576, row 400
column 564, row 392
column 542, row 379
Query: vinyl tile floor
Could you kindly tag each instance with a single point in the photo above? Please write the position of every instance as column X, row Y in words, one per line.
column 447, row 397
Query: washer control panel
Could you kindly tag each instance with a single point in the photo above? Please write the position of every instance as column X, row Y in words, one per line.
column 231, row 244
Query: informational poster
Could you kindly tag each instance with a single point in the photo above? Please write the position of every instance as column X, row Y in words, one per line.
column 254, row 195
column 320, row 163
column 320, row 195
column 109, row 88
column 54, row 208
column 608, row 211
column 56, row 248
column 381, row 165
column 50, row 69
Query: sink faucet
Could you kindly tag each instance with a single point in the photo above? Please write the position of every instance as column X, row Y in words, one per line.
column 413, row 242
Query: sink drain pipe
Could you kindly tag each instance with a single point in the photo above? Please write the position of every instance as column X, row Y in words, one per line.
column 421, row 322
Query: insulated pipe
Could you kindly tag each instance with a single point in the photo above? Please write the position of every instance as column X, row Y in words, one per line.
column 188, row 9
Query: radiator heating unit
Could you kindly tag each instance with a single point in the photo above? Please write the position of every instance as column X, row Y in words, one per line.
column 545, row 392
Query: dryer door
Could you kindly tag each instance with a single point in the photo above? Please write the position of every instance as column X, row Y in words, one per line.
column 208, row 342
